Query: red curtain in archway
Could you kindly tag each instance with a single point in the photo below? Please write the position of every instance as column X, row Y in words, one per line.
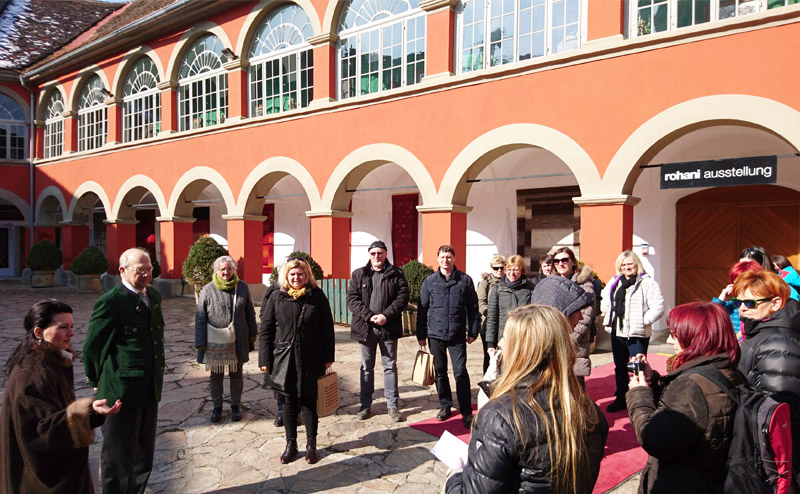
column 404, row 228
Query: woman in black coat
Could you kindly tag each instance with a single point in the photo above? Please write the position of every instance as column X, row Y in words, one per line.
column 524, row 439
column 46, row 432
column 683, row 420
column 296, row 346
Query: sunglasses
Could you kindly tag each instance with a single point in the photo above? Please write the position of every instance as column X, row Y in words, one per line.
column 290, row 259
column 497, row 268
column 750, row 304
column 563, row 260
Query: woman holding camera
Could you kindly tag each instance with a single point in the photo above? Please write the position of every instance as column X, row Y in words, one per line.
column 683, row 420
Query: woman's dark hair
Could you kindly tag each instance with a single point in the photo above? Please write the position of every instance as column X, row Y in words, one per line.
column 758, row 254
column 39, row 316
column 781, row 261
column 571, row 254
column 702, row 328
column 546, row 259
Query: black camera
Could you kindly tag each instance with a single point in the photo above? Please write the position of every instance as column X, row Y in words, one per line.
column 635, row 366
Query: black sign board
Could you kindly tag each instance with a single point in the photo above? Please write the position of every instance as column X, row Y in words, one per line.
column 716, row 173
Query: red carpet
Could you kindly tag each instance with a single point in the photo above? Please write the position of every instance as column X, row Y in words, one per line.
column 623, row 457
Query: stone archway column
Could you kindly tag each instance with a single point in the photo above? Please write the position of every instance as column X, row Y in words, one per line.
column 169, row 106
column 120, row 236
column 444, row 225
column 330, row 241
column 74, row 238
column 441, row 26
column 70, row 131
column 606, row 230
column 114, row 135
column 176, row 239
column 324, row 46
column 237, row 89
column 245, row 234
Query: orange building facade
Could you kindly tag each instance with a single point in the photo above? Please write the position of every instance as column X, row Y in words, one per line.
column 326, row 111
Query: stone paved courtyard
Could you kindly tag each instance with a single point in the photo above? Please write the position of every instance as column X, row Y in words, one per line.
column 195, row 456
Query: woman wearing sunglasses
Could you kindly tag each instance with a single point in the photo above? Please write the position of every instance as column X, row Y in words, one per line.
column 771, row 349
column 488, row 281
column 566, row 265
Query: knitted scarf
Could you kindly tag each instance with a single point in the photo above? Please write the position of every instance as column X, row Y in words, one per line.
column 223, row 284
column 619, row 301
column 296, row 293
column 221, row 342
column 514, row 284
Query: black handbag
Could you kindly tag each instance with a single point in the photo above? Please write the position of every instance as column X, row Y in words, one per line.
column 281, row 366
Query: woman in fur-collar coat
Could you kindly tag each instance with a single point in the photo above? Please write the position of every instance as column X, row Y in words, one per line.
column 46, row 432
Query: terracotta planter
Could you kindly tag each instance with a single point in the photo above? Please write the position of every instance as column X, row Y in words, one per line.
column 42, row 279
column 88, row 283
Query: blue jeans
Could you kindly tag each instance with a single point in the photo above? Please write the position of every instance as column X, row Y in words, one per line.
column 623, row 349
column 458, row 354
column 388, row 359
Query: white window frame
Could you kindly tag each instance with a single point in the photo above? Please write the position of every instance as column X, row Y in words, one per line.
column 54, row 126
column 291, row 48
column 553, row 10
column 14, row 124
column 205, row 88
column 376, row 33
column 92, row 116
column 141, row 102
column 739, row 8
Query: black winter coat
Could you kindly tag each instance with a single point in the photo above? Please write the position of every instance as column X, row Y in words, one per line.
column 685, row 423
column 448, row 308
column 503, row 299
column 393, row 298
column 313, row 338
column 500, row 463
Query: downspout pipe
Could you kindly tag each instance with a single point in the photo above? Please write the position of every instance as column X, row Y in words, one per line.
column 31, row 140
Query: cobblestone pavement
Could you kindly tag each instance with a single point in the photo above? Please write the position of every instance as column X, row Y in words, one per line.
column 193, row 455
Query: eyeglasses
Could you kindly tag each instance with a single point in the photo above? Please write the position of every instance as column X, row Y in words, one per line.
column 378, row 253
column 628, row 265
column 497, row 268
column 563, row 260
column 141, row 271
column 750, row 304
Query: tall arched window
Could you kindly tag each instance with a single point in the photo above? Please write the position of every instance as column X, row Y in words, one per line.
column 203, row 85
column 12, row 129
column 381, row 46
column 515, row 30
column 92, row 115
column 141, row 102
column 54, row 126
column 281, row 62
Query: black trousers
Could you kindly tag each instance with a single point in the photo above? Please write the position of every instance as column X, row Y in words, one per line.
column 129, row 440
column 457, row 347
column 291, row 409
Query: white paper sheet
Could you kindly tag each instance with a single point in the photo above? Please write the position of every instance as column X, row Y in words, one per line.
column 451, row 451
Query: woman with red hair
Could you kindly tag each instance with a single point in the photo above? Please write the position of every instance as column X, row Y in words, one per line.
column 725, row 298
column 682, row 420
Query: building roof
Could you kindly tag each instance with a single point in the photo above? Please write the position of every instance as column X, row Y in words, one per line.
column 32, row 29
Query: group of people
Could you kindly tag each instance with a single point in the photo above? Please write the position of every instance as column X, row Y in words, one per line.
column 538, row 432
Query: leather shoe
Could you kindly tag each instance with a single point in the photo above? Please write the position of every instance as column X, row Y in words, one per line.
column 364, row 413
column 444, row 414
column 236, row 415
column 216, row 414
column 395, row 415
column 617, row 405
column 278, row 422
column 467, row 420
column 311, row 451
column 290, row 452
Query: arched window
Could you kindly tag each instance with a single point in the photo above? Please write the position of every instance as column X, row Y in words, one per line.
column 281, row 62
column 12, row 129
column 654, row 16
column 203, row 85
column 381, row 46
column 141, row 102
column 92, row 115
column 54, row 126
column 515, row 30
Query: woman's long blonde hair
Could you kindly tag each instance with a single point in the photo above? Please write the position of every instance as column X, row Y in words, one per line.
column 537, row 343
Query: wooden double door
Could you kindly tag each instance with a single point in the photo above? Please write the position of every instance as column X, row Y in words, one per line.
column 715, row 225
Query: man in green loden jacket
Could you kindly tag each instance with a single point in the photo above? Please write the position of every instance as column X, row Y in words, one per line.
column 124, row 358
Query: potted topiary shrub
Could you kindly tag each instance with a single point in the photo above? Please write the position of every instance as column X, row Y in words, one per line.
column 316, row 269
column 87, row 268
column 198, row 266
column 415, row 273
column 43, row 259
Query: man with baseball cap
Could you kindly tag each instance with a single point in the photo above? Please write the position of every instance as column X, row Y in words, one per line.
column 377, row 297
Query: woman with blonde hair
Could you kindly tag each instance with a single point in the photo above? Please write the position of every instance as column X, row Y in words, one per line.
column 514, row 290
column 539, row 432
column 296, row 347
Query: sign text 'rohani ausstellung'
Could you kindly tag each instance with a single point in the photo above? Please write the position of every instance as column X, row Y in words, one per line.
column 716, row 173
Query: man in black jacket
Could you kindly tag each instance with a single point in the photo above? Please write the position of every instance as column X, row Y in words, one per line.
column 448, row 318
column 377, row 297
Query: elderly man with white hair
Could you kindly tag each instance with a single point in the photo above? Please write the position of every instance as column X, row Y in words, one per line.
column 123, row 354
column 225, row 331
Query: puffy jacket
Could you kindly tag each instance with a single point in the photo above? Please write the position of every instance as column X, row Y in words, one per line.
column 644, row 305
column 484, row 288
column 447, row 307
column 582, row 333
column 502, row 300
column 501, row 462
column 685, row 423
column 393, row 298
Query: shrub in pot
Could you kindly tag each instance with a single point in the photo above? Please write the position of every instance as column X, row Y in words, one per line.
column 87, row 268
column 198, row 266
column 415, row 273
column 43, row 259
